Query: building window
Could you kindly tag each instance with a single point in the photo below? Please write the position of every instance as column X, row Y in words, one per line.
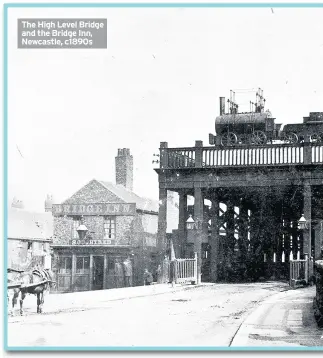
column 65, row 265
column 109, row 227
column 76, row 224
column 82, row 264
column 29, row 245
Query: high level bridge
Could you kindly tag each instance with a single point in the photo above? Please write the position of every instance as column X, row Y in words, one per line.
column 248, row 199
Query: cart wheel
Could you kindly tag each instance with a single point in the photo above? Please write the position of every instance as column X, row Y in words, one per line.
column 258, row 138
column 291, row 138
column 228, row 139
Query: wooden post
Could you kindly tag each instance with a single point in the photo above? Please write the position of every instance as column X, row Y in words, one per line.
column 243, row 230
column 73, row 272
column 162, row 224
column 198, row 154
column 104, row 271
column 307, row 232
column 182, row 221
column 163, row 155
column 91, row 272
column 307, row 155
column 307, row 211
column 230, row 232
column 198, row 218
column 215, row 237
column 318, row 241
column 195, row 267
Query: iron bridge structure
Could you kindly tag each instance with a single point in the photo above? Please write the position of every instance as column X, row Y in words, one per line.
column 246, row 201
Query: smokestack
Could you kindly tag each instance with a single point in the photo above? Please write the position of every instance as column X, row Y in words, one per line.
column 124, row 168
column 222, row 105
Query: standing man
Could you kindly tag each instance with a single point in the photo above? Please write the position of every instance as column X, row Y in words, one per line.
column 148, row 278
column 127, row 266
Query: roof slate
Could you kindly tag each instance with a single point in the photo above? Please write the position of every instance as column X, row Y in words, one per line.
column 24, row 224
column 128, row 196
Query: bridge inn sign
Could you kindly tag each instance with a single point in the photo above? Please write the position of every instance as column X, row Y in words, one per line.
column 93, row 209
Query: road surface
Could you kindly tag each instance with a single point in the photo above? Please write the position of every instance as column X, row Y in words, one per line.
column 283, row 320
column 202, row 316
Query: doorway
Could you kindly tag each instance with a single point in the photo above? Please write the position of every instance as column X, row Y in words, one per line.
column 98, row 270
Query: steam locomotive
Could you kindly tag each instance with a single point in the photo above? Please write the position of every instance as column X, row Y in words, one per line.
column 258, row 126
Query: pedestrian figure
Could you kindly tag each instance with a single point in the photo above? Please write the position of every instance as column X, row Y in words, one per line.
column 119, row 276
column 159, row 274
column 148, row 278
column 172, row 277
column 127, row 266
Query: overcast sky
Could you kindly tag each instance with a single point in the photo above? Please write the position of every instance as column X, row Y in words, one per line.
column 158, row 80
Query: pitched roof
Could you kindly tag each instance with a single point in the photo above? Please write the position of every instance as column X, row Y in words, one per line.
column 24, row 224
column 128, row 196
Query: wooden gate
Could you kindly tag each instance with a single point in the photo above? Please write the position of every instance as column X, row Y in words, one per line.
column 178, row 271
column 186, row 270
column 301, row 271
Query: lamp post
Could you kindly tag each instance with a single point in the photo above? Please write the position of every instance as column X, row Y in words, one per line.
column 303, row 225
column 193, row 227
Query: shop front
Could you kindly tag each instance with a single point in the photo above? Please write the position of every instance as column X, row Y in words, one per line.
column 83, row 268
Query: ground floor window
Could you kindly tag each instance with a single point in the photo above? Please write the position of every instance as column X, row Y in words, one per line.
column 65, row 264
column 82, row 264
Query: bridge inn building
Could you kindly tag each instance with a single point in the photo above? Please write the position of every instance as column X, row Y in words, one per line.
column 104, row 233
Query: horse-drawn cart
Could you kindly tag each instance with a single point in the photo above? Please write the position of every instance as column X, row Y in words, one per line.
column 35, row 281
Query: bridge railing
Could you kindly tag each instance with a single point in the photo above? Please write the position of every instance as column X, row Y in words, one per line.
column 240, row 156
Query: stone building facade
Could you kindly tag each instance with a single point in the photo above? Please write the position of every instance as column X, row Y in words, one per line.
column 119, row 236
column 29, row 238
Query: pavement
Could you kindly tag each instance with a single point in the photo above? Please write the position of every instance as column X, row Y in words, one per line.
column 285, row 319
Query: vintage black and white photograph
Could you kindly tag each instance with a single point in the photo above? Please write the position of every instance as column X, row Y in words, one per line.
column 164, row 171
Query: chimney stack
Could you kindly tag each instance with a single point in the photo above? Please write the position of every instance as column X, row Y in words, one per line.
column 124, row 168
column 49, row 203
column 222, row 106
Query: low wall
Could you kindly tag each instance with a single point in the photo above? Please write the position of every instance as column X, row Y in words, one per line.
column 318, row 300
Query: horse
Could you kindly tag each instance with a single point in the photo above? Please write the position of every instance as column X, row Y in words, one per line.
column 36, row 281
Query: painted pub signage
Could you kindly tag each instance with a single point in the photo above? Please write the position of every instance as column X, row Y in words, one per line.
column 92, row 242
column 94, row 209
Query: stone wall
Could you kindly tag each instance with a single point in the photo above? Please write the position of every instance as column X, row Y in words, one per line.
column 318, row 300
column 20, row 258
column 63, row 226
column 91, row 193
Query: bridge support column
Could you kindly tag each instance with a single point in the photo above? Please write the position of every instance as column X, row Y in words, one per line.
column 230, row 239
column 182, row 221
column 162, row 224
column 198, row 217
column 215, row 237
column 307, row 211
column 243, row 234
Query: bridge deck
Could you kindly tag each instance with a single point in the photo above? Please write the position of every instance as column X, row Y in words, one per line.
column 241, row 156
